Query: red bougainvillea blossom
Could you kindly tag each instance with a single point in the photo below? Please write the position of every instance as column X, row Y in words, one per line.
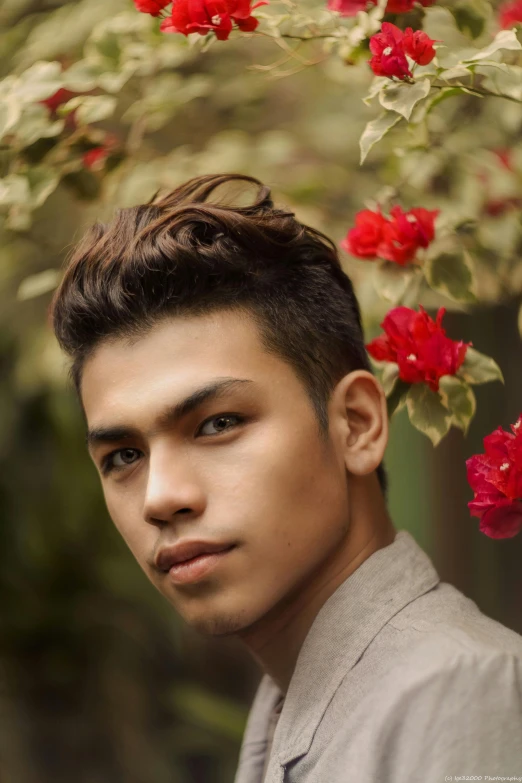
column 510, row 14
column 218, row 16
column 390, row 47
column 352, row 7
column 496, row 479
column 419, row 345
column 95, row 158
column 152, row 7
column 389, row 57
column 418, row 46
column 56, row 100
column 396, row 239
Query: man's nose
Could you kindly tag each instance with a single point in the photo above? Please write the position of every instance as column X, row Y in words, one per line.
column 173, row 487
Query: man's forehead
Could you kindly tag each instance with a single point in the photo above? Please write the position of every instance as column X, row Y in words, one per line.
column 171, row 361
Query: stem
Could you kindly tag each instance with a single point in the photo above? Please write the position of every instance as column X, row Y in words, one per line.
column 477, row 91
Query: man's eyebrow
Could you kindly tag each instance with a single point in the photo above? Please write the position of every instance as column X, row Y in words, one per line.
column 172, row 415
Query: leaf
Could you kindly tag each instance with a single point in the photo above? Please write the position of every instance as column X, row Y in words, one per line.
column 38, row 284
column 389, row 377
column 43, row 180
column 507, row 81
column 397, row 399
column 468, row 20
column 427, row 413
column 505, row 39
column 38, row 82
column 457, row 72
column 14, row 189
column 375, row 130
column 460, row 399
column 82, row 76
column 479, row 368
column 34, row 124
column 391, row 280
column 403, row 97
column 452, row 275
column 91, row 108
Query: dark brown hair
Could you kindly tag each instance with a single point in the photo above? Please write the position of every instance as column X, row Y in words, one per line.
column 182, row 253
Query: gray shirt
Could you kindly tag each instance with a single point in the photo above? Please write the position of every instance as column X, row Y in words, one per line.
column 401, row 679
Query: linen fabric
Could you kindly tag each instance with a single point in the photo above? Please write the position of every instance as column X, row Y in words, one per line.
column 401, row 679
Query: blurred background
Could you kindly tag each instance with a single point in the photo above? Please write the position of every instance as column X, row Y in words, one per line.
column 99, row 680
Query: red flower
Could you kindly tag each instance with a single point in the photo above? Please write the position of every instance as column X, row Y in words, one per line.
column 406, row 232
column 202, row 16
column 352, row 7
column 95, row 158
column 510, row 14
column 397, row 239
column 349, row 7
column 418, row 46
column 419, row 346
column 390, row 47
column 152, row 7
column 58, row 98
column 389, row 58
column 496, row 479
column 365, row 239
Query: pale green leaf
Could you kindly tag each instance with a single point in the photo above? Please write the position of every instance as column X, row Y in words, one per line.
column 505, row 39
column 43, row 180
column 404, row 96
column 91, row 108
column 10, row 113
column 507, row 81
column 375, row 130
column 457, row 72
column 34, row 123
column 82, row 76
column 14, row 189
column 391, row 280
column 389, row 377
column 38, row 284
column 396, row 400
column 451, row 273
column 427, row 413
column 478, row 368
column 38, row 82
column 460, row 400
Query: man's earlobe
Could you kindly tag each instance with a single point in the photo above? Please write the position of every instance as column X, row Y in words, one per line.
column 362, row 403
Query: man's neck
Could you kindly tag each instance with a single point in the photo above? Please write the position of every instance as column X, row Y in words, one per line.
column 275, row 641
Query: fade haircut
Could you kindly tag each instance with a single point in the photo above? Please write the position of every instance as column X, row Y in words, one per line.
column 185, row 253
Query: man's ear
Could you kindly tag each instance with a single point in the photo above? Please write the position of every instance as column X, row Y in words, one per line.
column 359, row 416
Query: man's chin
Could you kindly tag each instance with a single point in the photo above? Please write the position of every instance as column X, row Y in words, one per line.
column 228, row 625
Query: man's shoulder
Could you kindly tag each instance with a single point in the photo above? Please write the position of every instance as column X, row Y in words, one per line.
column 444, row 620
column 440, row 636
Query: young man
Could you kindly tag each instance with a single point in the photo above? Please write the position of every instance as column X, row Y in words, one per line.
column 239, row 435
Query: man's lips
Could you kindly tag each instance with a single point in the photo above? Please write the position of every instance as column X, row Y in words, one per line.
column 187, row 550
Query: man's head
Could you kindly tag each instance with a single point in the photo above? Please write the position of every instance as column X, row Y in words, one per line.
column 249, row 314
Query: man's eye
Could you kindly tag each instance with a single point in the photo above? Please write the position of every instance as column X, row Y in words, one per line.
column 119, row 459
column 219, row 423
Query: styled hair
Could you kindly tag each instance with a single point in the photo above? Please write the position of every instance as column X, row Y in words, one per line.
column 185, row 253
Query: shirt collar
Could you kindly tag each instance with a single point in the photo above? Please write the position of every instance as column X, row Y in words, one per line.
column 347, row 622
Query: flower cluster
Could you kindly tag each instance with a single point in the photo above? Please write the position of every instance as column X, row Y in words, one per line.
column 396, row 239
column 204, row 16
column 390, row 47
column 496, row 479
column 352, row 7
column 419, row 346
column 510, row 14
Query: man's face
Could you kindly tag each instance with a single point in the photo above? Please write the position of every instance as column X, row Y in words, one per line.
column 244, row 467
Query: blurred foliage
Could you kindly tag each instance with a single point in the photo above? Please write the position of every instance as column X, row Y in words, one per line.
column 99, row 682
